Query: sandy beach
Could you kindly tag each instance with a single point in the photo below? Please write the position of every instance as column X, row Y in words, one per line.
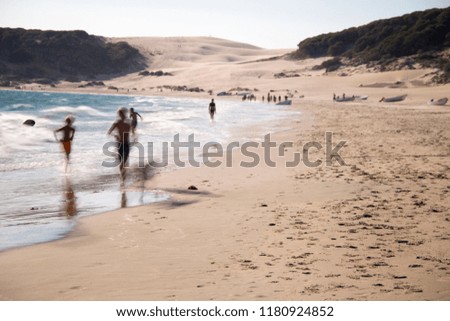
column 373, row 228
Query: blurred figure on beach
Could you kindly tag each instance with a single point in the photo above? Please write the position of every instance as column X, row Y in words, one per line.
column 67, row 136
column 122, row 129
column 133, row 116
column 212, row 109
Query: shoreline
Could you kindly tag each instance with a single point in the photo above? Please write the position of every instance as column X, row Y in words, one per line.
column 105, row 189
column 326, row 233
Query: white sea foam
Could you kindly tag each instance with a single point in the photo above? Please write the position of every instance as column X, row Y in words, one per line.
column 14, row 136
column 22, row 106
column 80, row 110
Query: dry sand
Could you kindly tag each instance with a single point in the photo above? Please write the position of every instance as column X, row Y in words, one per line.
column 376, row 228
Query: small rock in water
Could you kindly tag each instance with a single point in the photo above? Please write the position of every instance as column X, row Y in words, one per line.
column 29, row 122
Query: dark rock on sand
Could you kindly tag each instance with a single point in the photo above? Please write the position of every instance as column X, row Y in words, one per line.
column 29, row 122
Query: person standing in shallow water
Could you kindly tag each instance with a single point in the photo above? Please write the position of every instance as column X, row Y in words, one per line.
column 133, row 116
column 68, row 133
column 212, row 109
column 122, row 129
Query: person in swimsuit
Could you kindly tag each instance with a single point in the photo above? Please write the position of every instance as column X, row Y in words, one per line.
column 122, row 128
column 212, row 109
column 67, row 136
column 133, row 116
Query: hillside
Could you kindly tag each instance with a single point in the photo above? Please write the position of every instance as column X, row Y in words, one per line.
column 63, row 55
column 424, row 35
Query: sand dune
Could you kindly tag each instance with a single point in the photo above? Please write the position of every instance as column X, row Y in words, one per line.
column 216, row 65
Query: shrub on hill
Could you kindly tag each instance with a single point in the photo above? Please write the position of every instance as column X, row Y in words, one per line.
column 410, row 34
column 63, row 55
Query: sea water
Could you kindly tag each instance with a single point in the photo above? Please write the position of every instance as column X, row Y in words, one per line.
column 40, row 201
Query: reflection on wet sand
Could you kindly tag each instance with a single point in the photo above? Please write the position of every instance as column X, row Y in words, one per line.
column 69, row 199
column 123, row 200
column 136, row 179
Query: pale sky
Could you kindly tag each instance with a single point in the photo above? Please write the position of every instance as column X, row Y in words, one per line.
column 264, row 23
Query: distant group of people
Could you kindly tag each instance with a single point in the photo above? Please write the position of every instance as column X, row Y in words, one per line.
column 273, row 98
column 344, row 97
column 337, row 97
column 249, row 97
column 270, row 98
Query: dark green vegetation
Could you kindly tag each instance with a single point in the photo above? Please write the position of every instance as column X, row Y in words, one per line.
column 423, row 36
column 49, row 56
